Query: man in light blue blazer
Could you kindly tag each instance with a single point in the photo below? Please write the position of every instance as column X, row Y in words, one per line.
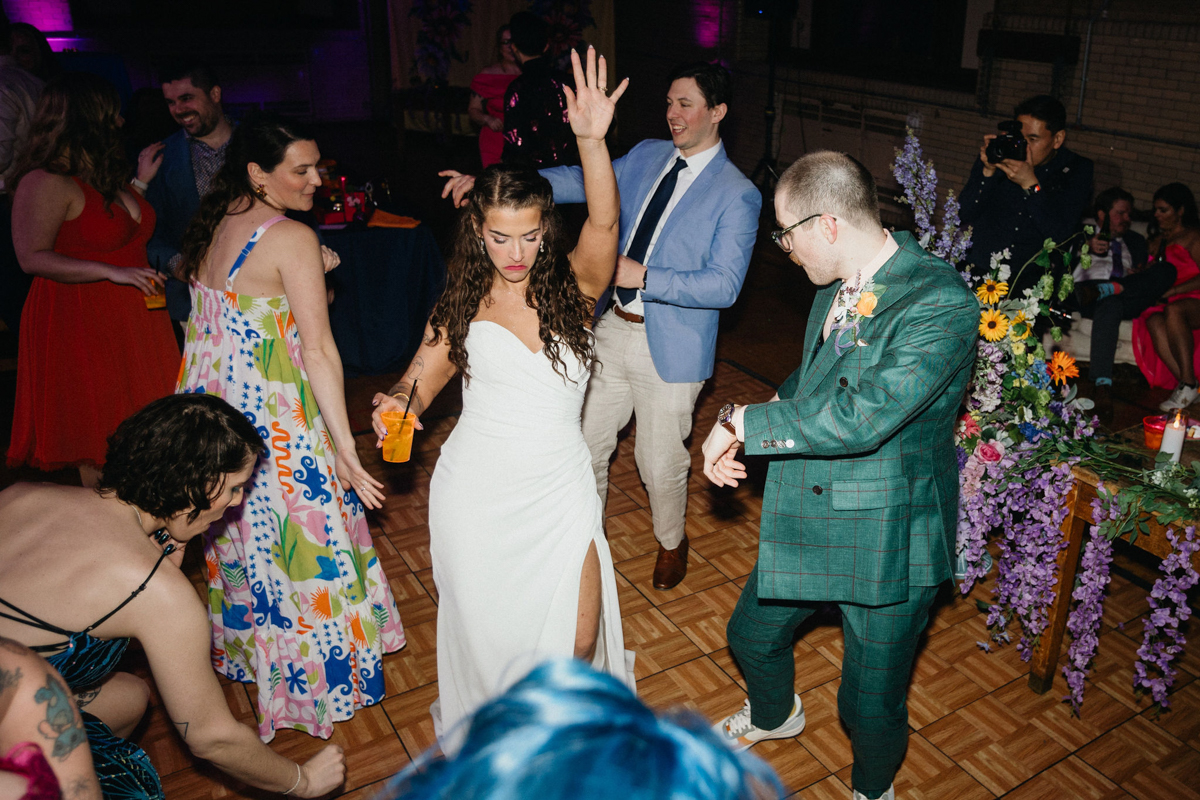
column 191, row 158
column 689, row 218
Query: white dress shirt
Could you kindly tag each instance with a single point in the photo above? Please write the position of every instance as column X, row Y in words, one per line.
column 1101, row 269
column 695, row 165
column 19, row 93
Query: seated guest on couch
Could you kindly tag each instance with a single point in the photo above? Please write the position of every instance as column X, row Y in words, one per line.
column 83, row 571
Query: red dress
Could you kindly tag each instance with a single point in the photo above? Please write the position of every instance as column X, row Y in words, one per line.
column 491, row 87
column 90, row 354
column 1148, row 360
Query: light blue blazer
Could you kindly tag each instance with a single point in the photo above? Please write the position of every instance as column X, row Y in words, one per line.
column 699, row 261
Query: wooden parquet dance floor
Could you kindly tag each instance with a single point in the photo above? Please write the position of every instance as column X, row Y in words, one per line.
column 977, row 730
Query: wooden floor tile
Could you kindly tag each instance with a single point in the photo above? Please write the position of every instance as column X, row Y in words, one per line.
column 700, row 576
column 1100, row 712
column 959, row 647
column 733, row 550
column 927, row 774
column 618, row 502
column 712, row 509
column 416, row 664
column 630, row 535
column 698, row 684
column 412, row 600
column 659, row 645
column 1070, row 777
column 824, row 734
column 413, row 546
column 937, row 689
column 796, row 767
column 1145, row 760
column 811, row 668
column 703, row 616
column 829, row 789
column 1182, row 720
column 1125, row 602
column 998, row 747
column 409, row 713
column 630, row 599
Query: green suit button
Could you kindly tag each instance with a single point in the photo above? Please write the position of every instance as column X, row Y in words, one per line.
column 817, row 490
column 843, row 382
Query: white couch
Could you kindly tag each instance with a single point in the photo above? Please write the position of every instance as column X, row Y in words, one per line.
column 1078, row 342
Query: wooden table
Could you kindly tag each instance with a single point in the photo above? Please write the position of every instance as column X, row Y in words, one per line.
column 1044, row 664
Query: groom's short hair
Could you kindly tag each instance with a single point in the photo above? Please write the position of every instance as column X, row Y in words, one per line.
column 825, row 182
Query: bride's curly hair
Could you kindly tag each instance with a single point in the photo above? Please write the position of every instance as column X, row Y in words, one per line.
column 563, row 309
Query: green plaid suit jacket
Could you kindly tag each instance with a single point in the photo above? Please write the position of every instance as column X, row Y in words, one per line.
column 861, row 500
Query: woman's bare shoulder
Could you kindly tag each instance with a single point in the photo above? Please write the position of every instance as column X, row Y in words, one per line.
column 44, row 183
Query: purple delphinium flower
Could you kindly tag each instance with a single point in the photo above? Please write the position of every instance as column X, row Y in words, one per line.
column 1162, row 639
column 1083, row 623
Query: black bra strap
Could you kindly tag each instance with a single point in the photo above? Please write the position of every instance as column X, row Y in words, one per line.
column 166, row 552
column 29, row 619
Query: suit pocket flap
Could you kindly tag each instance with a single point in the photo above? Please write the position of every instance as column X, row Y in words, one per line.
column 882, row 493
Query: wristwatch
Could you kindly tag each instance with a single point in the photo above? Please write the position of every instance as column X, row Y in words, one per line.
column 725, row 418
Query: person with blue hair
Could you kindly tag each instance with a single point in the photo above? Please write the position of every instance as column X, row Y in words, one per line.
column 568, row 731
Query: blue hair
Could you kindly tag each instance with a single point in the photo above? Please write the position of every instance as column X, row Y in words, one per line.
column 566, row 731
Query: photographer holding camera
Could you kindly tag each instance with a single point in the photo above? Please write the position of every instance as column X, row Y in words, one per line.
column 1025, row 188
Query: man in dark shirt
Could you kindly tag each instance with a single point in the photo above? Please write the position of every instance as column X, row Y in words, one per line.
column 537, row 132
column 1019, row 204
column 192, row 157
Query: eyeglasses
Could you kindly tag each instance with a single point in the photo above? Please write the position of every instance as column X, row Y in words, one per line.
column 777, row 236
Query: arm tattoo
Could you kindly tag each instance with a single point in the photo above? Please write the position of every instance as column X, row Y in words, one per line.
column 9, row 679
column 61, row 725
column 182, row 727
column 85, row 697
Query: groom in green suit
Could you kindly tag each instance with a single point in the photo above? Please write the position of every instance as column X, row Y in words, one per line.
column 861, row 501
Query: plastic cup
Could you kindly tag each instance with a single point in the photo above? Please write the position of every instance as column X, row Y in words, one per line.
column 156, row 300
column 397, row 445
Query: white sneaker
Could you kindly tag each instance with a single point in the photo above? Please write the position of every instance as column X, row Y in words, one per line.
column 890, row 794
column 1182, row 397
column 740, row 734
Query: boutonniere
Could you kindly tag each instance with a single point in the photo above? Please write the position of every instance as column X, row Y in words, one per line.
column 852, row 306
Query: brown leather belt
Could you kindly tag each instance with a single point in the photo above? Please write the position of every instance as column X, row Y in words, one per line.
column 625, row 315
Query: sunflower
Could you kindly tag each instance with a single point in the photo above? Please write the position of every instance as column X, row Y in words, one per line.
column 991, row 290
column 992, row 325
column 1018, row 327
column 1062, row 366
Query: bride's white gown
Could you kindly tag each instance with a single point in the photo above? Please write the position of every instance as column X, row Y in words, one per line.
column 512, row 510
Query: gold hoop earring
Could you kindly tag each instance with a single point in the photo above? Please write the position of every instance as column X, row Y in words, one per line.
column 261, row 192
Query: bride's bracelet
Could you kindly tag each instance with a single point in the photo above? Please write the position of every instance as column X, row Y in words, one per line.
column 399, row 395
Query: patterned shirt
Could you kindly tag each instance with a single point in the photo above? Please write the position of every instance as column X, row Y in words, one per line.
column 206, row 163
column 537, row 131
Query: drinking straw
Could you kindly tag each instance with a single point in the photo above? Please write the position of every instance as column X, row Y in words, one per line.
column 411, row 392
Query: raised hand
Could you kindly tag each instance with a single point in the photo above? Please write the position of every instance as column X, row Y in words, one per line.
column 590, row 107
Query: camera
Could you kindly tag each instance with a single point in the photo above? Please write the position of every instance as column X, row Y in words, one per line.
column 1009, row 143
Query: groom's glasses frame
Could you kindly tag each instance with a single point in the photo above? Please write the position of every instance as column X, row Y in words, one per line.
column 785, row 244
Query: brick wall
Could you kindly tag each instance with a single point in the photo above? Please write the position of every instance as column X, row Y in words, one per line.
column 1140, row 119
column 47, row 15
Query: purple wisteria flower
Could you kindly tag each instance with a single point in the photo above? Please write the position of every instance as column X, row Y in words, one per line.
column 1162, row 639
column 1083, row 623
column 919, row 180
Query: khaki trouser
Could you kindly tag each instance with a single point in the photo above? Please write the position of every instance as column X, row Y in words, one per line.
column 623, row 384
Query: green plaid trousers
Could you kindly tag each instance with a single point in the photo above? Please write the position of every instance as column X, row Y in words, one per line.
column 880, row 644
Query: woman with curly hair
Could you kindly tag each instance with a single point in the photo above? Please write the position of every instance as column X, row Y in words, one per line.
column 90, row 352
column 84, row 571
column 298, row 600
column 515, row 525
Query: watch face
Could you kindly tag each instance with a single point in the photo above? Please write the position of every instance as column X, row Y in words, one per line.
column 726, row 413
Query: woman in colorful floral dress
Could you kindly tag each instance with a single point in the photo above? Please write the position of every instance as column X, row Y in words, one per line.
column 297, row 597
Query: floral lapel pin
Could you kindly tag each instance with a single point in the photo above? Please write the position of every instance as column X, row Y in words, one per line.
column 852, row 306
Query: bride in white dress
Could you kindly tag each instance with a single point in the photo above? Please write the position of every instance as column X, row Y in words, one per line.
column 521, row 564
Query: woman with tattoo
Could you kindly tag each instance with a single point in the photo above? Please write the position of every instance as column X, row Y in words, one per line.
column 84, row 571
column 516, row 528
column 43, row 745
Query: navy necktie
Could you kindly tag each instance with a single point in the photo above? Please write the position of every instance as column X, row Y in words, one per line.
column 645, row 229
column 1118, row 268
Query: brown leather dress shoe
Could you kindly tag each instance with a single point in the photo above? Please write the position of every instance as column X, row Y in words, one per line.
column 671, row 566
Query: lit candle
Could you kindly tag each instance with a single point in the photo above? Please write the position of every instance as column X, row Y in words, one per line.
column 1173, row 436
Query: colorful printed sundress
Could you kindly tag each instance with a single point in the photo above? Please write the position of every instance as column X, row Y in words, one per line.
column 297, row 597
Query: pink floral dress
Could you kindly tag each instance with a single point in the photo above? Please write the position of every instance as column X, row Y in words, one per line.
column 298, row 600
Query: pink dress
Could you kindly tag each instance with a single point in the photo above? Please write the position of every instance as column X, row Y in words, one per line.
column 491, row 87
column 1151, row 365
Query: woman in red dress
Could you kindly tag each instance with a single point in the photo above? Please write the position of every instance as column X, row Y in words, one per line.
column 90, row 352
column 487, row 98
column 1166, row 337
